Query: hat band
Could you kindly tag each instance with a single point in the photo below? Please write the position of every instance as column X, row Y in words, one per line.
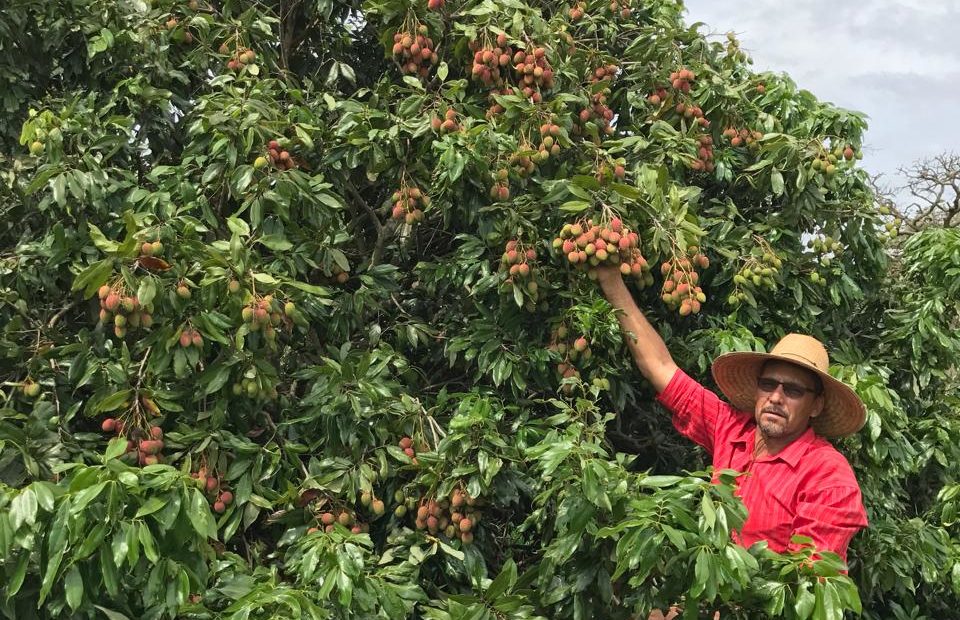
column 797, row 355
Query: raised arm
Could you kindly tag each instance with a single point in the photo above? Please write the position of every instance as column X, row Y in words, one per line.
column 647, row 347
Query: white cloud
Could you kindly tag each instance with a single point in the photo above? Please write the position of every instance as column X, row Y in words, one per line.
column 895, row 60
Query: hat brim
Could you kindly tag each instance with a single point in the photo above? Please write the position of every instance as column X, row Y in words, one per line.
column 736, row 375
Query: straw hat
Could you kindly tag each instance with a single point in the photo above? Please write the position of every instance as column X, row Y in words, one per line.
column 736, row 376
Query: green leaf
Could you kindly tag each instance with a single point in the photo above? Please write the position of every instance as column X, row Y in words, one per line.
column 240, row 179
column 111, row 578
column 277, row 243
column 708, row 510
column 110, row 614
column 575, row 206
column 200, row 515
column 151, row 506
column 114, row 401
column 23, row 509
column 238, row 226
column 73, row 585
column 803, row 605
column 659, row 482
column 216, row 381
column 16, row 579
column 59, row 187
column 100, row 240
column 93, row 277
column 146, row 291
column 116, row 448
column 776, row 182
column 146, row 541
column 56, row 546
column 505, row 580
column 265, row 278
column 44, row 494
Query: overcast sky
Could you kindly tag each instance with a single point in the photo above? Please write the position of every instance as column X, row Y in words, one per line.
column 898, row 61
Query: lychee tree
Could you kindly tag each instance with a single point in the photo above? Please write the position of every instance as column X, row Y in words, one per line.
column 299, row 319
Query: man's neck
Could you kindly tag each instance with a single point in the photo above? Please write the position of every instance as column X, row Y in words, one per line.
column 771, row 446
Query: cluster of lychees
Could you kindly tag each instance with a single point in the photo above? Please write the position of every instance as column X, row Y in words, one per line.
column 826, row 161
column 218, row 493
column 742, row 137
column 520, row 264
column 825, row 244
column 577, row 11
column 500, row 190
column 533, row 73
column 587, row 245
column 349, row 518
column 176, row 33
column 144, row 447
column 454, row 517
column 704, row 159
column 446, row 125
column 598, row 111
column 658, row 96
column 607, row 173
column 754, row 274
column 257, row 388
column 264, row 314
column 603, row 73
column 523, row 162
column 549, row 145
column 491, row 64
column 414, row 52
column 277, row 156
column 682, row 80
column 692, row 112
column 620, row 8
column 242, row 57
column 125, row 311
column 406, row 444
column 572, row 350
column 733, row 49
column 191, row 337
column 346, row 518
column 680, row 290
column 151, row 248
column 408, row 204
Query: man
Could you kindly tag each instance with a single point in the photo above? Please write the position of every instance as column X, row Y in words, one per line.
column 783, row 405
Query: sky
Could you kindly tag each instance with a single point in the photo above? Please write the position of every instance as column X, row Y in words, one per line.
column 898, row 61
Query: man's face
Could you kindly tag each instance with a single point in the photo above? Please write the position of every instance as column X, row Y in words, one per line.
column 781, row 415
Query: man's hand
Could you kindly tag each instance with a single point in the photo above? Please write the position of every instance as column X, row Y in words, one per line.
column 609, row 279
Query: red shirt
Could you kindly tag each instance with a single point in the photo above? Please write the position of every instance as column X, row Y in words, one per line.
column 808, row 488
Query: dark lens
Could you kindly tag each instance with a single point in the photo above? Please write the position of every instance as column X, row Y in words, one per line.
column 792, row 390
column 767, row 385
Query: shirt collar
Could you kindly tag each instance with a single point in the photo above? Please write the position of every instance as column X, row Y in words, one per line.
column 789, row 455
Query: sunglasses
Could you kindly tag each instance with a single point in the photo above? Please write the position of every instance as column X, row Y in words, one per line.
column 790, row 390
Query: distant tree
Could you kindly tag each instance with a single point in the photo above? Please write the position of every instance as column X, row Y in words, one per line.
column 929, row 197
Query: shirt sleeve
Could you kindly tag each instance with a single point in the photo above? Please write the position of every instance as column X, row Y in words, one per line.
column 698, row 413
column 830, row 516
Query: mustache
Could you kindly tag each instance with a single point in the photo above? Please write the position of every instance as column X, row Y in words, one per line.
column 775, row 410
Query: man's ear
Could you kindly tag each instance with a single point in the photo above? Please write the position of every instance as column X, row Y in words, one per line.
column 817, row 406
